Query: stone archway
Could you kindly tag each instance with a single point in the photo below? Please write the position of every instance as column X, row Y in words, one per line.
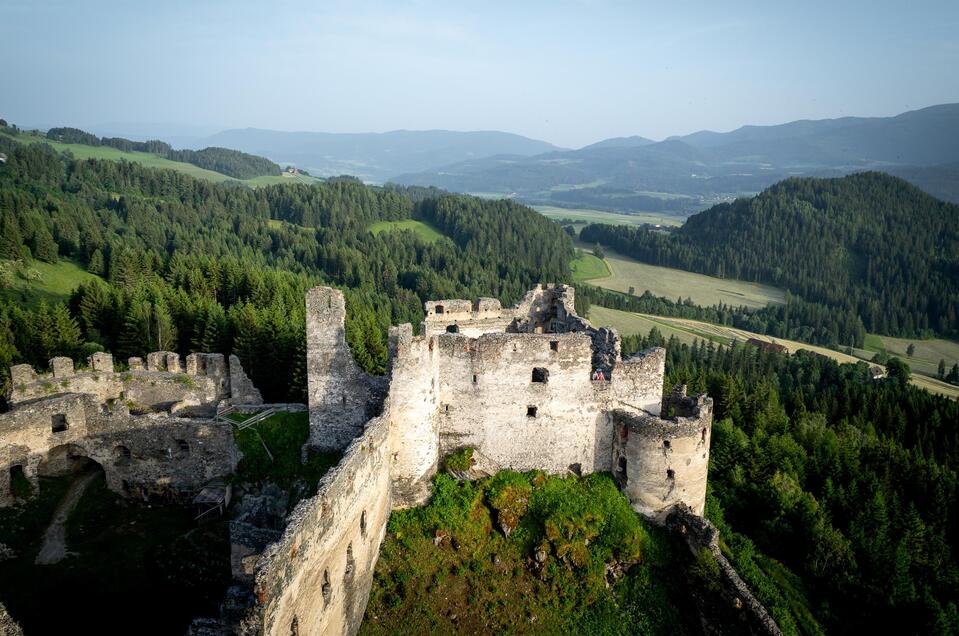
column 60, row 461
column 66, row 459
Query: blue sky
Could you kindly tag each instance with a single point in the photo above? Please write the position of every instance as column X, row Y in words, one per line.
column 567, row 72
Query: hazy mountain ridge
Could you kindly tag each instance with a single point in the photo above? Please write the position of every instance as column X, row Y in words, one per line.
column 708, row 166
column 376, row 156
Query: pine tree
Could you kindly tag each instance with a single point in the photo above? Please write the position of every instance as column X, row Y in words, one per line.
column 96, row 264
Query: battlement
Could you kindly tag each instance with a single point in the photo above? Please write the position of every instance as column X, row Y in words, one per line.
column 204, row 379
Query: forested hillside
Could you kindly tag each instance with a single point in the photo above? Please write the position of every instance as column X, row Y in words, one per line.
column 867, row 243
column 190, row 265
column 233, row 163
column 836, row 495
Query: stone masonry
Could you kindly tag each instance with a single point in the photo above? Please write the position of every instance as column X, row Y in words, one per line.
column 152, row 429
column 514, row 384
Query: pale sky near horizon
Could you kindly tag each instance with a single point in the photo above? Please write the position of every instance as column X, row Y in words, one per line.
column 568, row 72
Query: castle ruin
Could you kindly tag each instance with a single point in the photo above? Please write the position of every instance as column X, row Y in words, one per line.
column 516, row 385
column 152, row 428
column 530, row 387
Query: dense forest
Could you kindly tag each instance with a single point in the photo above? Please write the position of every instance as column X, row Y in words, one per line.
column 867, row 244
column 837, row 495
column 232, row 163
column 193, row 265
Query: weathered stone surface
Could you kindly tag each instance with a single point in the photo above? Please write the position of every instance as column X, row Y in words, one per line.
column 664, row 462
column 701, row 534
column 242, row 390
column 58, row 421
column 8, row 627
column 339, row 391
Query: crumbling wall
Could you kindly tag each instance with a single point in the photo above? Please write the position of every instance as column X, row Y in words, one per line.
column 340, row 396
column 163, row 383
column 464, row 317
column 701, row 534
column 414, row 396
column 638, row 381
column 490, row 400
column 147, row 454
column 664, row 462
column 317, row 578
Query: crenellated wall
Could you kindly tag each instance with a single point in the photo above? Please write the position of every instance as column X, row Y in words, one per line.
column 162, row 384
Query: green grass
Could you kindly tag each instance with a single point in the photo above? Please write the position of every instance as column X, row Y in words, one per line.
column 583, row 215
column 423, row 230
column 448, row 567
column 81, row 151
column 925, row 359
column 640, row 324
column 676, row 283
column 284, row 434
column 587, row 267
column 55, row 283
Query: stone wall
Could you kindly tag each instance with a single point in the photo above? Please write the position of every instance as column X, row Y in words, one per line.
column 465, row 317
column 340, row 393
column 142, row 454
column 664, row 462
column 163, row 384
column 317, row 578
column 414, row 396
column 700, row 534
column 525, row 401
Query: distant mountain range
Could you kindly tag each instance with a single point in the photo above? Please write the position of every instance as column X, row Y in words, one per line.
column 686, row 173
column 373, row 156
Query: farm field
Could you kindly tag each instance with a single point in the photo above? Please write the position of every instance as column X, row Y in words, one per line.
column 55, row 282
column 688, row 330
column 423, row 230
column 612, row 218
column 675, row 283
column 587, row 267
column 925, row 359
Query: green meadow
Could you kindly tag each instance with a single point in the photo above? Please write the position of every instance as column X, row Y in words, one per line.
column 82, row 151
column 29, row 283
column 423, row 230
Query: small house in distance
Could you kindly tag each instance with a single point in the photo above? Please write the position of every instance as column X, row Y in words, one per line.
column 767, row 346
column 3, row 158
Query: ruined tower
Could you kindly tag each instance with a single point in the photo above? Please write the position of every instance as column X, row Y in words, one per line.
column 338, row 390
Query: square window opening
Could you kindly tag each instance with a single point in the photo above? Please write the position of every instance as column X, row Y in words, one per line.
column 58, row 423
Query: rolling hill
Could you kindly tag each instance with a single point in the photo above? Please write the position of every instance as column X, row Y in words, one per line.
column 375, row 156
column 866, row 245
column 689, row 173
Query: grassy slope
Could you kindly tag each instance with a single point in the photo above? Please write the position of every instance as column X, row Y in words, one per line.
column 611, row 218
column 675, row 283
column 425, row 231
column 55, row 285
column 81, row 151
column 587, row 267
column 687, row 330
column 476, row 580
column 925, row 359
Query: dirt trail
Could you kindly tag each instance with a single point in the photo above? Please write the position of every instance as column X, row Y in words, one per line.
column 54, row 547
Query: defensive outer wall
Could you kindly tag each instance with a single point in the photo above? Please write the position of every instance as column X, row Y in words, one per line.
column 514, row 384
